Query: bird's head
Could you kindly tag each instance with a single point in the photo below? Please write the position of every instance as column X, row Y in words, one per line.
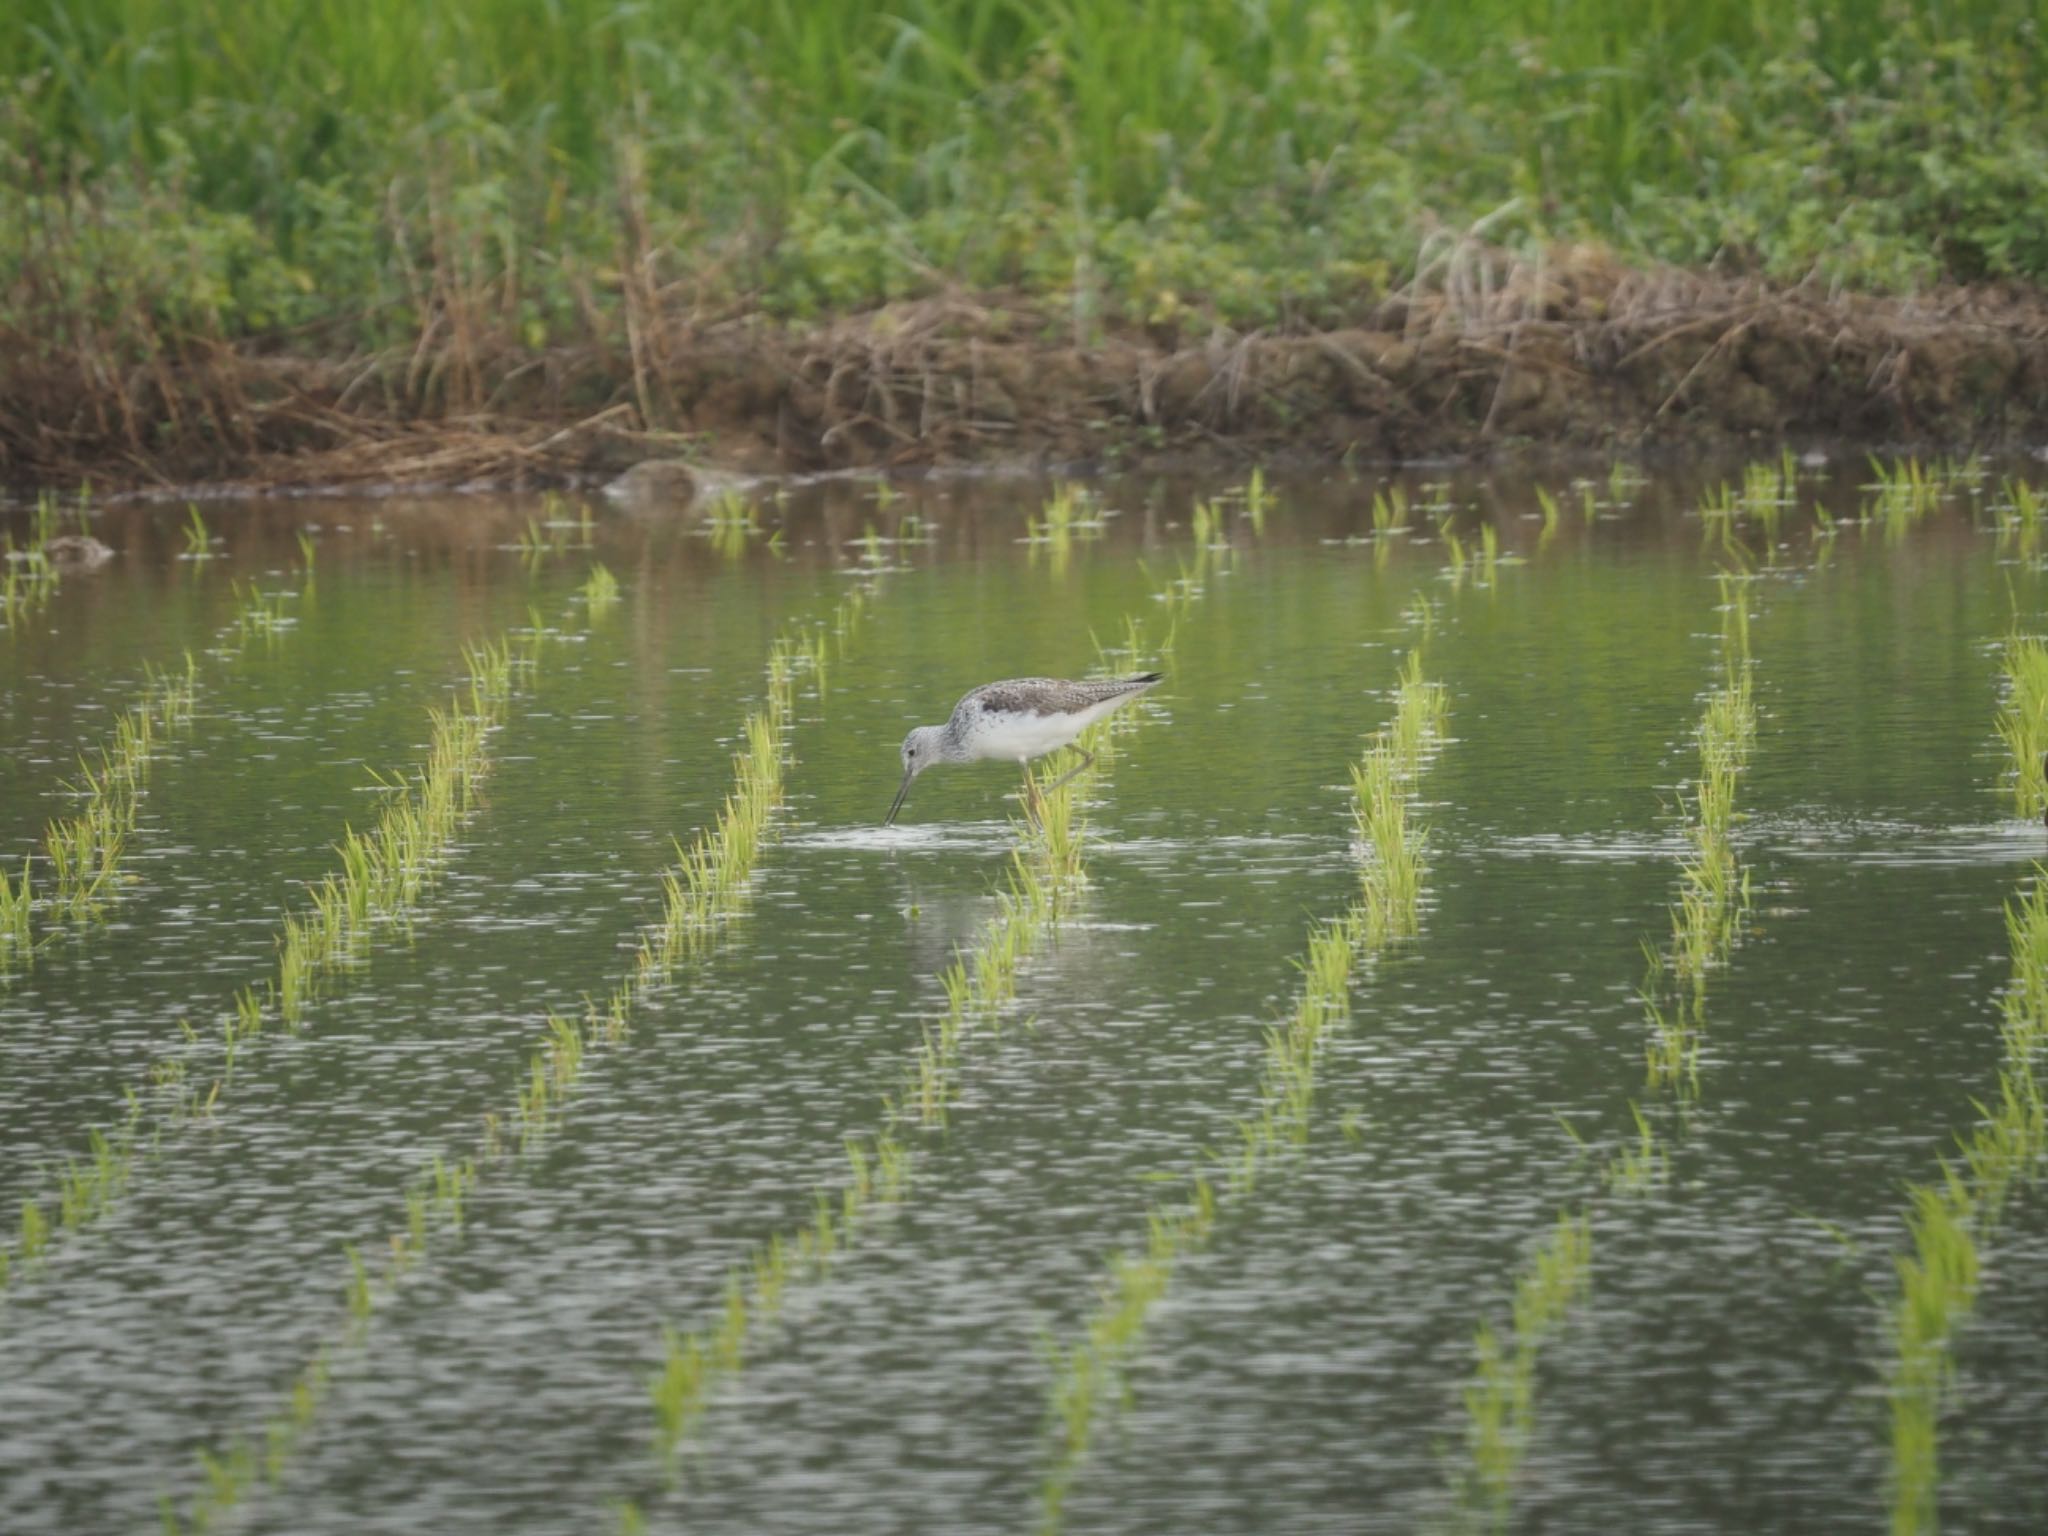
column 920, row 751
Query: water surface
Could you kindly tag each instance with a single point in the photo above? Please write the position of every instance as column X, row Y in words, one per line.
column 1725, row 1371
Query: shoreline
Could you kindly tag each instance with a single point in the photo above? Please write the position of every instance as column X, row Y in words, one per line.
column 1491, row 359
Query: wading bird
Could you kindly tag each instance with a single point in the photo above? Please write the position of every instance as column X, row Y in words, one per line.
column 1018, row 720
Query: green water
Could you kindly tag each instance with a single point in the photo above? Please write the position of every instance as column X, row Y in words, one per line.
column 1725, row 1370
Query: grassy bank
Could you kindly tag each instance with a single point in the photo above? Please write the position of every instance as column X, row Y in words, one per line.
column 463, row 190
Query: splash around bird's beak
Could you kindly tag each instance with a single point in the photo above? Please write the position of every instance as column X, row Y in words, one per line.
column 902, row 790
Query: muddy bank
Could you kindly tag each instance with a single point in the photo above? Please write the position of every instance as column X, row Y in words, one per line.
column 1482, row 356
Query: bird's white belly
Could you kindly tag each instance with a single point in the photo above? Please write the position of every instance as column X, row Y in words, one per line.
column 1013, row 737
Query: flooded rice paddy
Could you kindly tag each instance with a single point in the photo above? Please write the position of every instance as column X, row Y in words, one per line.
column 1532, row 1026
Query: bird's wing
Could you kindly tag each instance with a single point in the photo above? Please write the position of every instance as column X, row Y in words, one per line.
column 1052, row 695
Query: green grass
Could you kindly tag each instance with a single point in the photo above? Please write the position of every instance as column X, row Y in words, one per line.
column 379, row 168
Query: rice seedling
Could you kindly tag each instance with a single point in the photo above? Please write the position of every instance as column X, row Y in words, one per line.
column 1547, row 506
column 385, row 871
column 1091, row 1374
column 435, row 1198
column 1713, row 890
column 435, row 1201
column 729, row 524
column 1905, row 491
column 536, row 542
column 383, row 874
column 600, row 591
column 1499, row 1403
column 1673, row 1054
column 707, row 886
column 978, row 985
column 2023, row 721
column 44, row 519
column 198, row 537
column 28, row 581
column 1046, row 867
column 1393, row 878
column 1255, row 500
column 1952, row 1218
column 2019, row 509
column 28, row 577
column 1390, row 510
column 17, row 898
column 1070, row 512
column 258, row 615
column 1639, row 1165
column 84, row 848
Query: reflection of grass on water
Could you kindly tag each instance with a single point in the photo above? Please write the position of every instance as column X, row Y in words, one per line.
column 1948, row 1220
column 1500, row 1403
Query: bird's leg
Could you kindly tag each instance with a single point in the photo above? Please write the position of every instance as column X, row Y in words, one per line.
column 1087, row 761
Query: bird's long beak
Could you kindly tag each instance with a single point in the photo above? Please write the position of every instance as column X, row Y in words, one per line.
column 897, row 804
